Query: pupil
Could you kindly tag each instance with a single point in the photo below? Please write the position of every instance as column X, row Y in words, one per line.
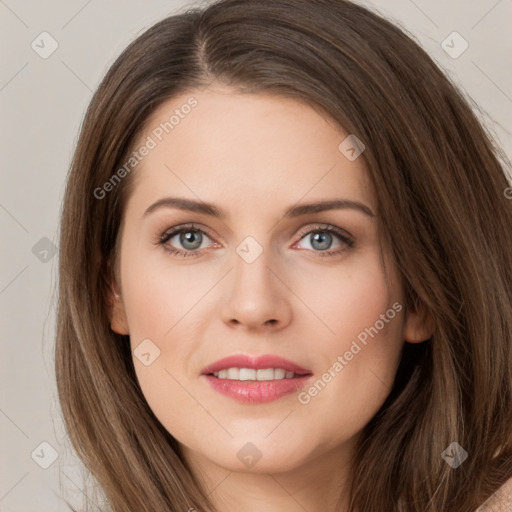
column 322, row 238
column 188, row 238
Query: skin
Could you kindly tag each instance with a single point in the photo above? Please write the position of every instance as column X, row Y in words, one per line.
column 254, row 156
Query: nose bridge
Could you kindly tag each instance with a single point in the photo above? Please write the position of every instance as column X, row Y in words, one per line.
column 251, row 266
column 255, row 297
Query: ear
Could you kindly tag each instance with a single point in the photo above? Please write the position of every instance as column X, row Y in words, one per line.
column 117, row 313
column 419, row 325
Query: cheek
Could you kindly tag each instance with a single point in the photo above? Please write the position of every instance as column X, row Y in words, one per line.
column 349, row 298
column 361, row 347
column 158, row 302
column 157, row 294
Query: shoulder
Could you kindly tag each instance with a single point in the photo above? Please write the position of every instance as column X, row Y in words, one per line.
column 500, row 501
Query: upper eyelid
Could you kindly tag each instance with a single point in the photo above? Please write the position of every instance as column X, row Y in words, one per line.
column 320, row 226
column 179, row 228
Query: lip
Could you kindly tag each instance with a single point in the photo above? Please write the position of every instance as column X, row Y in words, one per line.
column 257, row 363
column 256, row 392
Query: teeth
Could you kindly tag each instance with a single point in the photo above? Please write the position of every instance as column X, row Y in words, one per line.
column 232, row 373
column 252, row 374
column 279, row 373
column 247, row 374
column 266, row 374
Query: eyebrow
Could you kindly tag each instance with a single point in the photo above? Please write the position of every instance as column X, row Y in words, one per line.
column 191, row 205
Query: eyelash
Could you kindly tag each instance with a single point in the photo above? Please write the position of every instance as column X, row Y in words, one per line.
column 319, row 228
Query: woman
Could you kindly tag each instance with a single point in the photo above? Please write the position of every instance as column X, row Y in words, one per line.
column 285, row 272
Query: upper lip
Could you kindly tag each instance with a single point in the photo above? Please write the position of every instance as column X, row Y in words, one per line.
column 256, row 362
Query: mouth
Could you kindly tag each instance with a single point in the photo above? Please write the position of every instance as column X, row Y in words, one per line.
column 253, row 380
column 261, row 374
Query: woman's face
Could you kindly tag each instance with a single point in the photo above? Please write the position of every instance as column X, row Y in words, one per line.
column 261, row 274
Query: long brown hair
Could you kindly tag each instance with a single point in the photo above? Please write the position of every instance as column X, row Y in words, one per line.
column 440, row 181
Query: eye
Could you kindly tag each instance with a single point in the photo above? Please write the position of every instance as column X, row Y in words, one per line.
column 188, row 240
column 189, row 237
column 321, row 239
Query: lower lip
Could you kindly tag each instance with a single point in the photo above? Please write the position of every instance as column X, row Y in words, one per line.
column 257, row 392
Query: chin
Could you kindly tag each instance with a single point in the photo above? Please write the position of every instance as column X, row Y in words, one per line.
column 242, row 455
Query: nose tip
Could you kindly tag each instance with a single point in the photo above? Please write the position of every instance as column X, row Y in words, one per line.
column 270, row 323
column 256, row 298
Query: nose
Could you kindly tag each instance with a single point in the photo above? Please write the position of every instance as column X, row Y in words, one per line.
column 257, row 298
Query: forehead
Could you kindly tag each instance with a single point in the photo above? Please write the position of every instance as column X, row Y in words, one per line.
column 246, row 149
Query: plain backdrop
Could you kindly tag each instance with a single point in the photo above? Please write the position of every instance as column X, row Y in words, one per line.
column 43, row 101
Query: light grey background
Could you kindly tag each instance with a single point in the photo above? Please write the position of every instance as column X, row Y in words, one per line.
column 42, row 103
